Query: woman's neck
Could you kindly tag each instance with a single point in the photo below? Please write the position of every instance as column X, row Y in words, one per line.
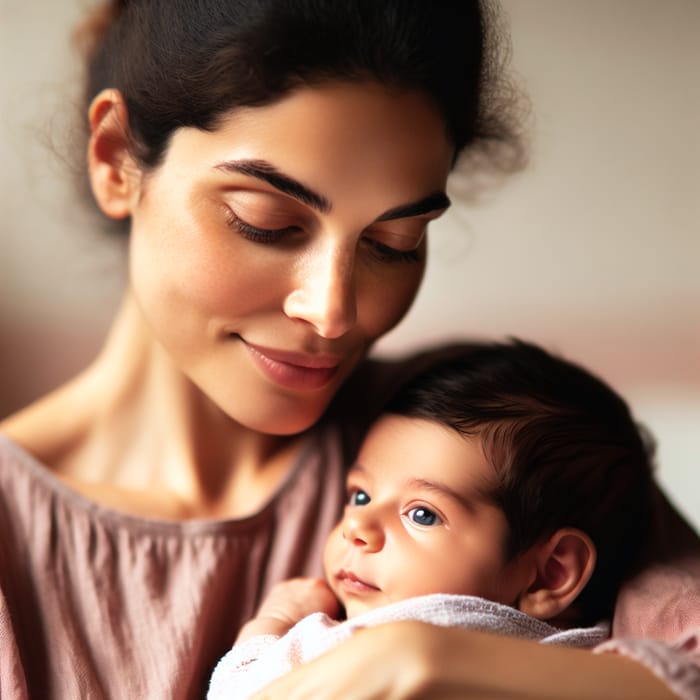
column 136, row 434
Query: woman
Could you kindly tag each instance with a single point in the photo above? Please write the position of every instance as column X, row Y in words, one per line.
column 277, row 163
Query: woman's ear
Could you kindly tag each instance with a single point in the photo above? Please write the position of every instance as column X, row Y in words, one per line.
column 115, row 177
column 563, row 564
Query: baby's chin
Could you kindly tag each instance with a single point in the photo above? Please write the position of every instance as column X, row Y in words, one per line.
column 354, row 607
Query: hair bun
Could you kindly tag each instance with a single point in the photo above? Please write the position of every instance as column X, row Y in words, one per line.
column 89, row 34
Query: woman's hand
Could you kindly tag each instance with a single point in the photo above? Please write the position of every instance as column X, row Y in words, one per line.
column 414, row 660
column 287, row 603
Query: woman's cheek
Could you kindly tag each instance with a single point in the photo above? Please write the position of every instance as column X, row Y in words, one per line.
column 389, row 298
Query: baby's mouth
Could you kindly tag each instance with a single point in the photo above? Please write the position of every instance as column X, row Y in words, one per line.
column 353, row 583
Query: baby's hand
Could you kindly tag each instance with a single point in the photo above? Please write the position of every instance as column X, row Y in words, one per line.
column 287, row 603
column 296, row 598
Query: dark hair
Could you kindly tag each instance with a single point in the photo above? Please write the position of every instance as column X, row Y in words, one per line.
column 183, row 63
column 564, row 445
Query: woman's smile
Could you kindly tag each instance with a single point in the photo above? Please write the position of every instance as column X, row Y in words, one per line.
column 294, row 370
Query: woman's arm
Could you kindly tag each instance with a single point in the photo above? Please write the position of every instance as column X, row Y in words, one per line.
column 415, row 660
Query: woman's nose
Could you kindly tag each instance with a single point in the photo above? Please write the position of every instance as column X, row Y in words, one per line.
column 363, row 530
column 324, row 293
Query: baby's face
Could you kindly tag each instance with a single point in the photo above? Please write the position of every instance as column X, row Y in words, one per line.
column 419, row 520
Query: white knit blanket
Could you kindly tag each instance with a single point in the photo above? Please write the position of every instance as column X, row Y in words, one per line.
column 253, row 664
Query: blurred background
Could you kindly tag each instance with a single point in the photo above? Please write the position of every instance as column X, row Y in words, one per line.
column 591, row 251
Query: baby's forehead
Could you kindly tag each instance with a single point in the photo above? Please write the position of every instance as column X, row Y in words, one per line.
column 420, row 451
column 425, row 431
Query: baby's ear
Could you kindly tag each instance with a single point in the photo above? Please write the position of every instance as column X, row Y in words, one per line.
column 564, row 563
column 114, row 175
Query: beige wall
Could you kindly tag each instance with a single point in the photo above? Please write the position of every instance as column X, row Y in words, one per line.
column 591, row 251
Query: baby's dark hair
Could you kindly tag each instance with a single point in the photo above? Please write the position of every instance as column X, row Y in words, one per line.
column 565, row 446
column 182, row 63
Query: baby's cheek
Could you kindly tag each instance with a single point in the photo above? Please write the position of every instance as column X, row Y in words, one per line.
column 327, row 602
column 332, row 552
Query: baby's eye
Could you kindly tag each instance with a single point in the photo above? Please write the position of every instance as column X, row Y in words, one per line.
column 358, row 497
column 424, row 516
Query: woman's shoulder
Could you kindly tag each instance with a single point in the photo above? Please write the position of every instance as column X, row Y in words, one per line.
column 51, row 426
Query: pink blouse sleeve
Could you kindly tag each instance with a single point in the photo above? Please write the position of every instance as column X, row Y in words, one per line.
column 663, row 600
column 657, row 614
column 677, row 664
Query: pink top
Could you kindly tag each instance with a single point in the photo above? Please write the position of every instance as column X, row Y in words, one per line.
column 95, row 603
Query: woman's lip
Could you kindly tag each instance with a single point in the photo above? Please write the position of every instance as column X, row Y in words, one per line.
column 293, row 370
column 299, row 359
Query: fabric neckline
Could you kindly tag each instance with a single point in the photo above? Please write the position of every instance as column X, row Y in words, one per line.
column 43, row 475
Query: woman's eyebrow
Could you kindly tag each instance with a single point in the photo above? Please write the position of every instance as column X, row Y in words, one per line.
column 433, row 202
column 265, row 171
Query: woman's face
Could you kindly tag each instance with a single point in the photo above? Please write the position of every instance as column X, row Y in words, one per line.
column 267, row 255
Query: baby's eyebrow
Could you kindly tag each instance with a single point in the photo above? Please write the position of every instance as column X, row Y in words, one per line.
column 430, row 485
column 477, row 494
column 356, row 468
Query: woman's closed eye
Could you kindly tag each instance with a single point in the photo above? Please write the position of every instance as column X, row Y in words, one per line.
column 400, row 243
column 255, row 233
column 385, row 253
column 269, row 236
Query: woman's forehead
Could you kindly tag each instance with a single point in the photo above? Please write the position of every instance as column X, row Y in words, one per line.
column 331, row 139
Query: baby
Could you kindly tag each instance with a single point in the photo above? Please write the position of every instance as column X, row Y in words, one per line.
column 504, row 490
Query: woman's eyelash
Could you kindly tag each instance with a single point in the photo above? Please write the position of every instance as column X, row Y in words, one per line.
column 380, row 251
column 385, row 253
column 253, row 233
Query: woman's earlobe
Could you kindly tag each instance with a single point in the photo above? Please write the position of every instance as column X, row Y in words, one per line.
column 115, row 177
column 564, row 565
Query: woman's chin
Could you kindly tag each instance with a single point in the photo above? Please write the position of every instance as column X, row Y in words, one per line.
column 284, row 417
